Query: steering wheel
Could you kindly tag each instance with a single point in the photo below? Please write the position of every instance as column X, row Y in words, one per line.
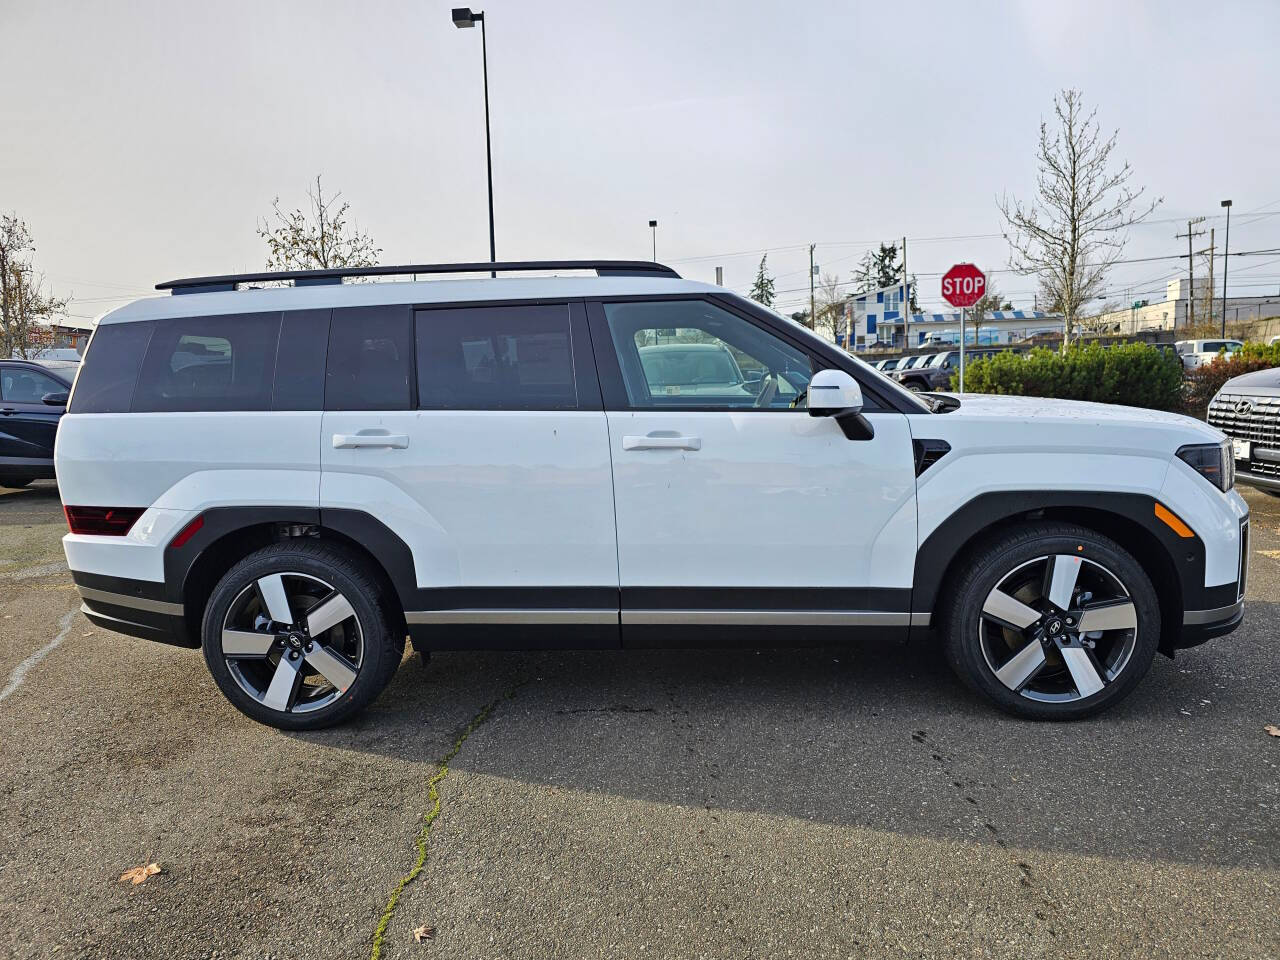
column 768, row 390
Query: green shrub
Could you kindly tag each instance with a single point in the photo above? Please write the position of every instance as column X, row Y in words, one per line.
column 1134, row 374
column 1203, row 382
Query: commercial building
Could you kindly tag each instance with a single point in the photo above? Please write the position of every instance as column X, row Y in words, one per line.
column 1174, row 310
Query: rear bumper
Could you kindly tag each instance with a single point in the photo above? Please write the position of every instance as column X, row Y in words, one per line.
column 1201, row 625
column 134, row 608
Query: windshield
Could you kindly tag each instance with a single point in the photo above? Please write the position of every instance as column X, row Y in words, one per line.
column 937, row 360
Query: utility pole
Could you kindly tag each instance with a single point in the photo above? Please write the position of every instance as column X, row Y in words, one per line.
column 1226, row 252
column 813, row 316
column 1209, row 296
column 1191, row 270
column 906, row 302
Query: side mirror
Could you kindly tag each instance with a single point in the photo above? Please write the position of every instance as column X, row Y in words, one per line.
column 832, row 392
column 835, row 394
column 55, row 399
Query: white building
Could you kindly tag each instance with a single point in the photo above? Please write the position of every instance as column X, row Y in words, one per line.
column 1172, row 312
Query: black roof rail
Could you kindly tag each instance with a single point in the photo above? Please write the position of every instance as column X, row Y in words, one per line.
column 307, row 278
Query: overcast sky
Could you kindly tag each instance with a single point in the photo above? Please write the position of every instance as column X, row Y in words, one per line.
column 141, row 140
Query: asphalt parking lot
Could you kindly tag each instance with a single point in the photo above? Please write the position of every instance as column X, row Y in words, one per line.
column 829, row 803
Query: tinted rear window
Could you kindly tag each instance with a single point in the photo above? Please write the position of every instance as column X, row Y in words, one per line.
column 496, row 358
column 110, row 368
column 209, row 363
column 369, row 359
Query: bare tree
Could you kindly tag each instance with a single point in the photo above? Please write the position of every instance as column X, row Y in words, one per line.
column 1071, row 233
column 829, row 311
column 990, row 301
column 318, row 237
column 24, row 301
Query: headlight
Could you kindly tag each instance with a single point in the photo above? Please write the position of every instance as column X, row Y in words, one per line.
column 1216, row 462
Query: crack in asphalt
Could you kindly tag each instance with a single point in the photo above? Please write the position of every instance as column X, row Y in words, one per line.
column 1027, row 879
column 433, row 812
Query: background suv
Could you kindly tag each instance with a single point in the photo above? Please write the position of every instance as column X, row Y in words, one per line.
column 935, row 373
column 296, row 478
column 1247, row 409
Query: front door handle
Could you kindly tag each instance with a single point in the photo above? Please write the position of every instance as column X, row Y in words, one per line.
column 661, row 442
column 368, row 438
column 8, row 411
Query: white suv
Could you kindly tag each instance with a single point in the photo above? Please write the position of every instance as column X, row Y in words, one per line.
column 296, row 478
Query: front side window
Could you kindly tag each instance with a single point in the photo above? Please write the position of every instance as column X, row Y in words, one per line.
column 25, row 385
column 692, row 354
column 209, row 363
column 496, row 358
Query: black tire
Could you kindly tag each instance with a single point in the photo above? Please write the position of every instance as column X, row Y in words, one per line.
column 382, row 643
column 15, row 483
column 986, row 567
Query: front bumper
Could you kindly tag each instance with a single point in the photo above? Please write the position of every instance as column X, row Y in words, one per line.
column 1199, row 626
column 1258, row 480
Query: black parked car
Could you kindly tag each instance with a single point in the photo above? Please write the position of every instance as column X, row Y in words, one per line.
column 33, row 398
column 936, row 373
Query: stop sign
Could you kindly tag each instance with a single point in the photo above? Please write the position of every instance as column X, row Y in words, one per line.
column 963, row 285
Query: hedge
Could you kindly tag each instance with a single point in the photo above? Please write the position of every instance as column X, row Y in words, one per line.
column 1203, row 382
column 1134, row 374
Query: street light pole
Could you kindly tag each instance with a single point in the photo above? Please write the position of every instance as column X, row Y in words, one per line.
column 1226, row 251
column 464, row 18
column 653, row 225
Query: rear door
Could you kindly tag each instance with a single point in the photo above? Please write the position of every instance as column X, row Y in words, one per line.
column 476, row 434
column 28, row 425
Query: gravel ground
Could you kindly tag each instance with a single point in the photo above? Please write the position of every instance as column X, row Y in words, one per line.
column 818, row 803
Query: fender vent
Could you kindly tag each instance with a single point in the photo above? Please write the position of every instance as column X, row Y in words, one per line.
column 929, row 452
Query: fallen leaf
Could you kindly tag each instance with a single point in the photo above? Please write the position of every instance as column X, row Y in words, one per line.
column 1272, row 729
column 138, row 874
column 424, row 933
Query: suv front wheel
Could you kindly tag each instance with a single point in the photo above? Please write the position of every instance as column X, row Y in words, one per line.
column 297, row 636
column 1052, row 621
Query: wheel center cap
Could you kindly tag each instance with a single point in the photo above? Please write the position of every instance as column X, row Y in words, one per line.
column 295, row 640
column 1053, row 627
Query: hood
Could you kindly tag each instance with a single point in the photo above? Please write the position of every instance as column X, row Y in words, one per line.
column 1258, row 380
column 1030, row 410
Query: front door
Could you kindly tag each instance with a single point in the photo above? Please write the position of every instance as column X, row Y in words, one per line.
column 28, row 425
column 735, row 508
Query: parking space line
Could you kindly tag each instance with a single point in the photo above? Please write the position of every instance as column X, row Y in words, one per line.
column 21, row 670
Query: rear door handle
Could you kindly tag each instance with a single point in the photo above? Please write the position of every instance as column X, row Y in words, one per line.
column 661, row 443
column 368, row 438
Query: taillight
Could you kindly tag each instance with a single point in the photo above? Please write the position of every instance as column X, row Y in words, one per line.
column 102, row 521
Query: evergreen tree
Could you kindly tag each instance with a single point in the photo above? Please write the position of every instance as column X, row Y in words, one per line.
column 878, row 269
column 762, row 289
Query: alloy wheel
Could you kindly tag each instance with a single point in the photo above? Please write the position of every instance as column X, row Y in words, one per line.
column 292, row 642
column 1058, row 628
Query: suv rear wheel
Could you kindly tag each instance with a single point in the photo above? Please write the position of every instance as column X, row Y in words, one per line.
column 1052, row 621
column 298, row 636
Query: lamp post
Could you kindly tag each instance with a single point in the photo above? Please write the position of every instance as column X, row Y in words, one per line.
column 653, row 225
column 1226, row 250
column 463, row 18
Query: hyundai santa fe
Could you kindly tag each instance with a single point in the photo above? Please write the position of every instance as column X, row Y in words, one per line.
column 295, row 479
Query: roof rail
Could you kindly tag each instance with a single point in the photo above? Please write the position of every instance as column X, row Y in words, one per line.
column 307, row 278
